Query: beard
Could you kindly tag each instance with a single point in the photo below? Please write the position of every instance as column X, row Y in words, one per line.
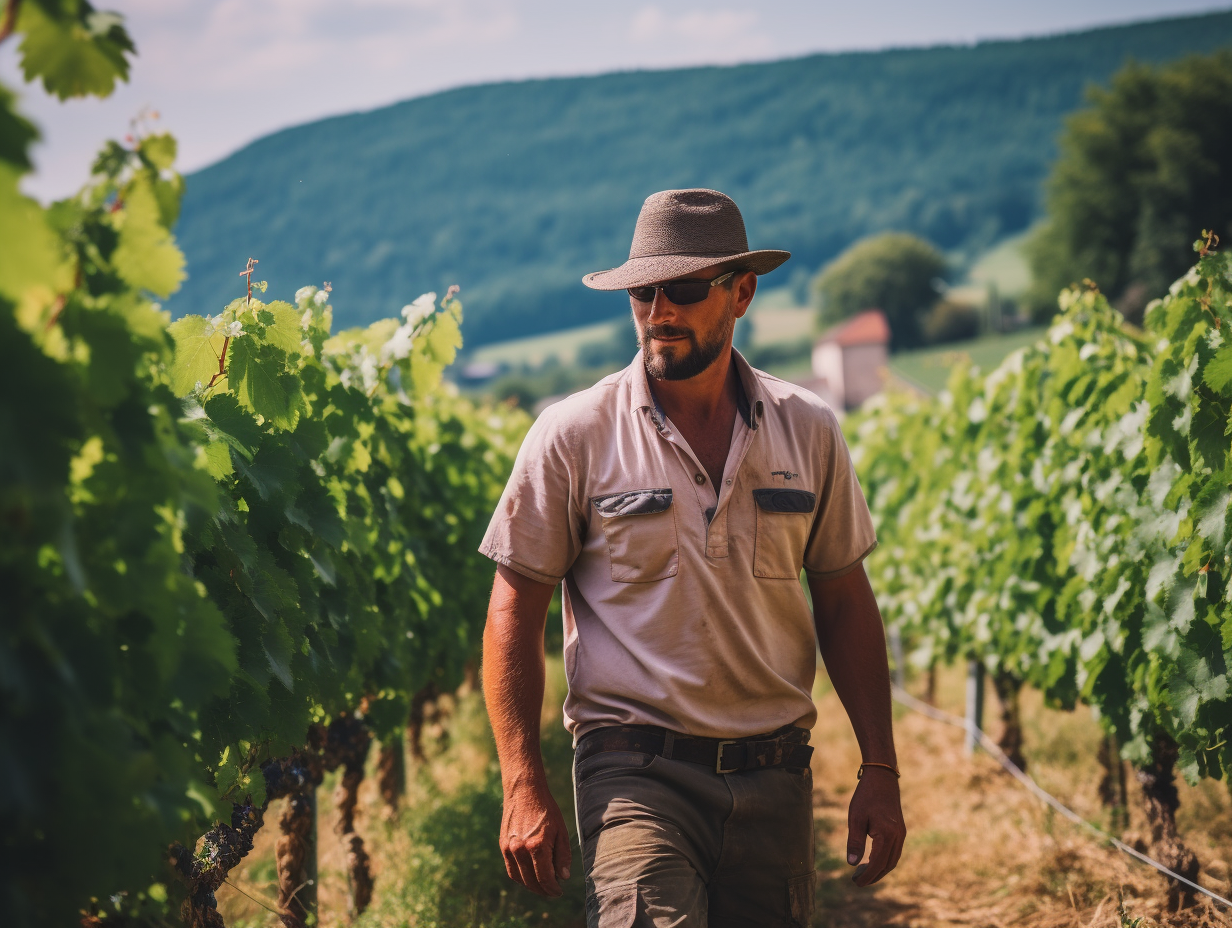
column 667, row 364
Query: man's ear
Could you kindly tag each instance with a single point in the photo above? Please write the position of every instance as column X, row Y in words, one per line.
column 743, row 289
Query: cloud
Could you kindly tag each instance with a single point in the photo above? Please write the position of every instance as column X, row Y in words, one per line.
column 651, row 24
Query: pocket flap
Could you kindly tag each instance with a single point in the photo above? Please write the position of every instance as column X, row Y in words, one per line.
column 633, row 502
column 775, row 499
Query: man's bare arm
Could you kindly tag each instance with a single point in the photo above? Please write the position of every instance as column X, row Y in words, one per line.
column 852, row 641
column 533, row 838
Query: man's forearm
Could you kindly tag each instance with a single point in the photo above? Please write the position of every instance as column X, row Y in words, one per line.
column 853, row 647
column 534, row 839
column 513, row 673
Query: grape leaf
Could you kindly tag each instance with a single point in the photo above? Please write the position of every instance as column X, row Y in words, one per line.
column 228, row 422
column 197, row 347
column 159, row 150
column 280, row 650
column 77, row 53
column 217, row 460
column 146, row 257
column 1218, row 370
column 255, row 378
column 285, row 331
column 29, row 254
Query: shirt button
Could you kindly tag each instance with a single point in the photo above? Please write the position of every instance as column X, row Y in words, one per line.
column 699, row 478
column 727, row 481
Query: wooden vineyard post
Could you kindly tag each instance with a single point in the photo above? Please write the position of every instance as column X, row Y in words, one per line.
column 297, row 859
column 391, row 772
column 975, row 706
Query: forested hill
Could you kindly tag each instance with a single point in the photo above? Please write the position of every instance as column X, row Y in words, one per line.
column 515, row 190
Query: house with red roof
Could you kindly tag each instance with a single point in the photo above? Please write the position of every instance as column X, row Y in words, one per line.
column 850, row 360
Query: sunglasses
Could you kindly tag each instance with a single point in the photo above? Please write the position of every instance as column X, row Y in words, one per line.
column 680, row 292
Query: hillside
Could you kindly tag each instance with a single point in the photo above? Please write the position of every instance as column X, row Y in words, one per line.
column 515, row 190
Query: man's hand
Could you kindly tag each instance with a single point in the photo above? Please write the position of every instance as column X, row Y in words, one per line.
column 534, row 839
column 875, row 811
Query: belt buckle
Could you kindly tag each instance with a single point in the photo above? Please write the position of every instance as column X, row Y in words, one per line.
column 718, row 759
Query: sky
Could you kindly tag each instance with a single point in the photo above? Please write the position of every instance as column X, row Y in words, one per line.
column 221, row 73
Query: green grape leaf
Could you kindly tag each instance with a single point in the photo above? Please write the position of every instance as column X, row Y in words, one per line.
column 285, row 331
column 29, row 254
column 75, row 55
column 272, row 472
column 322, row 515
column 255, row 376
column 1194, row 685
column 197, row 348
column 159, row 150
column 146, row 257
column 280, row 651
column 1218, row 370
column 217, row 460
column 228, row 422
column 168, row 193
column 272, row 590
column 16, row 134
column 322, row 562
column 239, row 544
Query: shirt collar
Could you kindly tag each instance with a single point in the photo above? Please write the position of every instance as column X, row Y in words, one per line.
column 749, row 399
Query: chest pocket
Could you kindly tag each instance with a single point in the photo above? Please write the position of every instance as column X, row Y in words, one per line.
column 784, row 518
column 640, row 527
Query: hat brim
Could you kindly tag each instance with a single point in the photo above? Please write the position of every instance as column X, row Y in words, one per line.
column 653, row 269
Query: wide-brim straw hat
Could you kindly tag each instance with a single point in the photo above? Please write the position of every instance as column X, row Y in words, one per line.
column 682, row 231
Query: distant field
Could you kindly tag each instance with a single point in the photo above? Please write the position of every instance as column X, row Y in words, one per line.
column 536, row 350
column 776, row 318
column 1005, row 266
column 929, row 368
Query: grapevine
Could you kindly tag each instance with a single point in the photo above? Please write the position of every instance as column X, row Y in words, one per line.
column 219, row 534
column 1063, row 519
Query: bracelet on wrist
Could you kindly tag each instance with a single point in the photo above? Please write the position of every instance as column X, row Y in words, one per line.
column 891, row 767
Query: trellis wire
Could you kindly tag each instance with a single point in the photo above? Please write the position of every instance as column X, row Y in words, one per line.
column 902, row 696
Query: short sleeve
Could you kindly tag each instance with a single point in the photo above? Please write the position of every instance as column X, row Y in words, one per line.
column 843, row 533
column 535, row 529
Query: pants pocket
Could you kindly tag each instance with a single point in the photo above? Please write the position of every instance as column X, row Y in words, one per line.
column 609, row 763
column 613, row 906
column 800, row 891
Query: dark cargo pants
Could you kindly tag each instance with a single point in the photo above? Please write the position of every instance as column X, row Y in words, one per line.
column 668, row 843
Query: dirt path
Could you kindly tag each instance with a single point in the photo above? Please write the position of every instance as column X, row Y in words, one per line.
column 982, row 852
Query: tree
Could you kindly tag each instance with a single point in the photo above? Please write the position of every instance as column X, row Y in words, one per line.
column 894, row 272
column 1148, row 164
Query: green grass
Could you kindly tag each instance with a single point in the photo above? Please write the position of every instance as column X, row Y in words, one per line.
column 929, row 368
column 1004, row 266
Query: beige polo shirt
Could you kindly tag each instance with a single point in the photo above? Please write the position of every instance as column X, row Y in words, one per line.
column 682, row 601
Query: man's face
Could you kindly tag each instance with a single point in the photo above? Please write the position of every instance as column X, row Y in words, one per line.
column 679, row 342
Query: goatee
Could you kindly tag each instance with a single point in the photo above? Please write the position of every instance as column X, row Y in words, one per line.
column 666, row 365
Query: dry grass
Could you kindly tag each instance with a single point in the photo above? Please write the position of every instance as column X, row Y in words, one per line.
column 982, row 852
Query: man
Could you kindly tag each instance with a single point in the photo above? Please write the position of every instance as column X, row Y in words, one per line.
column 678, row 501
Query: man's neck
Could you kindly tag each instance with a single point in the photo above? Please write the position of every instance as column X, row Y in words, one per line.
column 701, row 401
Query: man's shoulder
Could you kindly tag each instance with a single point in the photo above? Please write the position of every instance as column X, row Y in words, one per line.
column 582, row 412
column 795, row 403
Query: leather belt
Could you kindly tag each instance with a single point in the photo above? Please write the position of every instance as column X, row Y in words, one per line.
column 782, row 748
